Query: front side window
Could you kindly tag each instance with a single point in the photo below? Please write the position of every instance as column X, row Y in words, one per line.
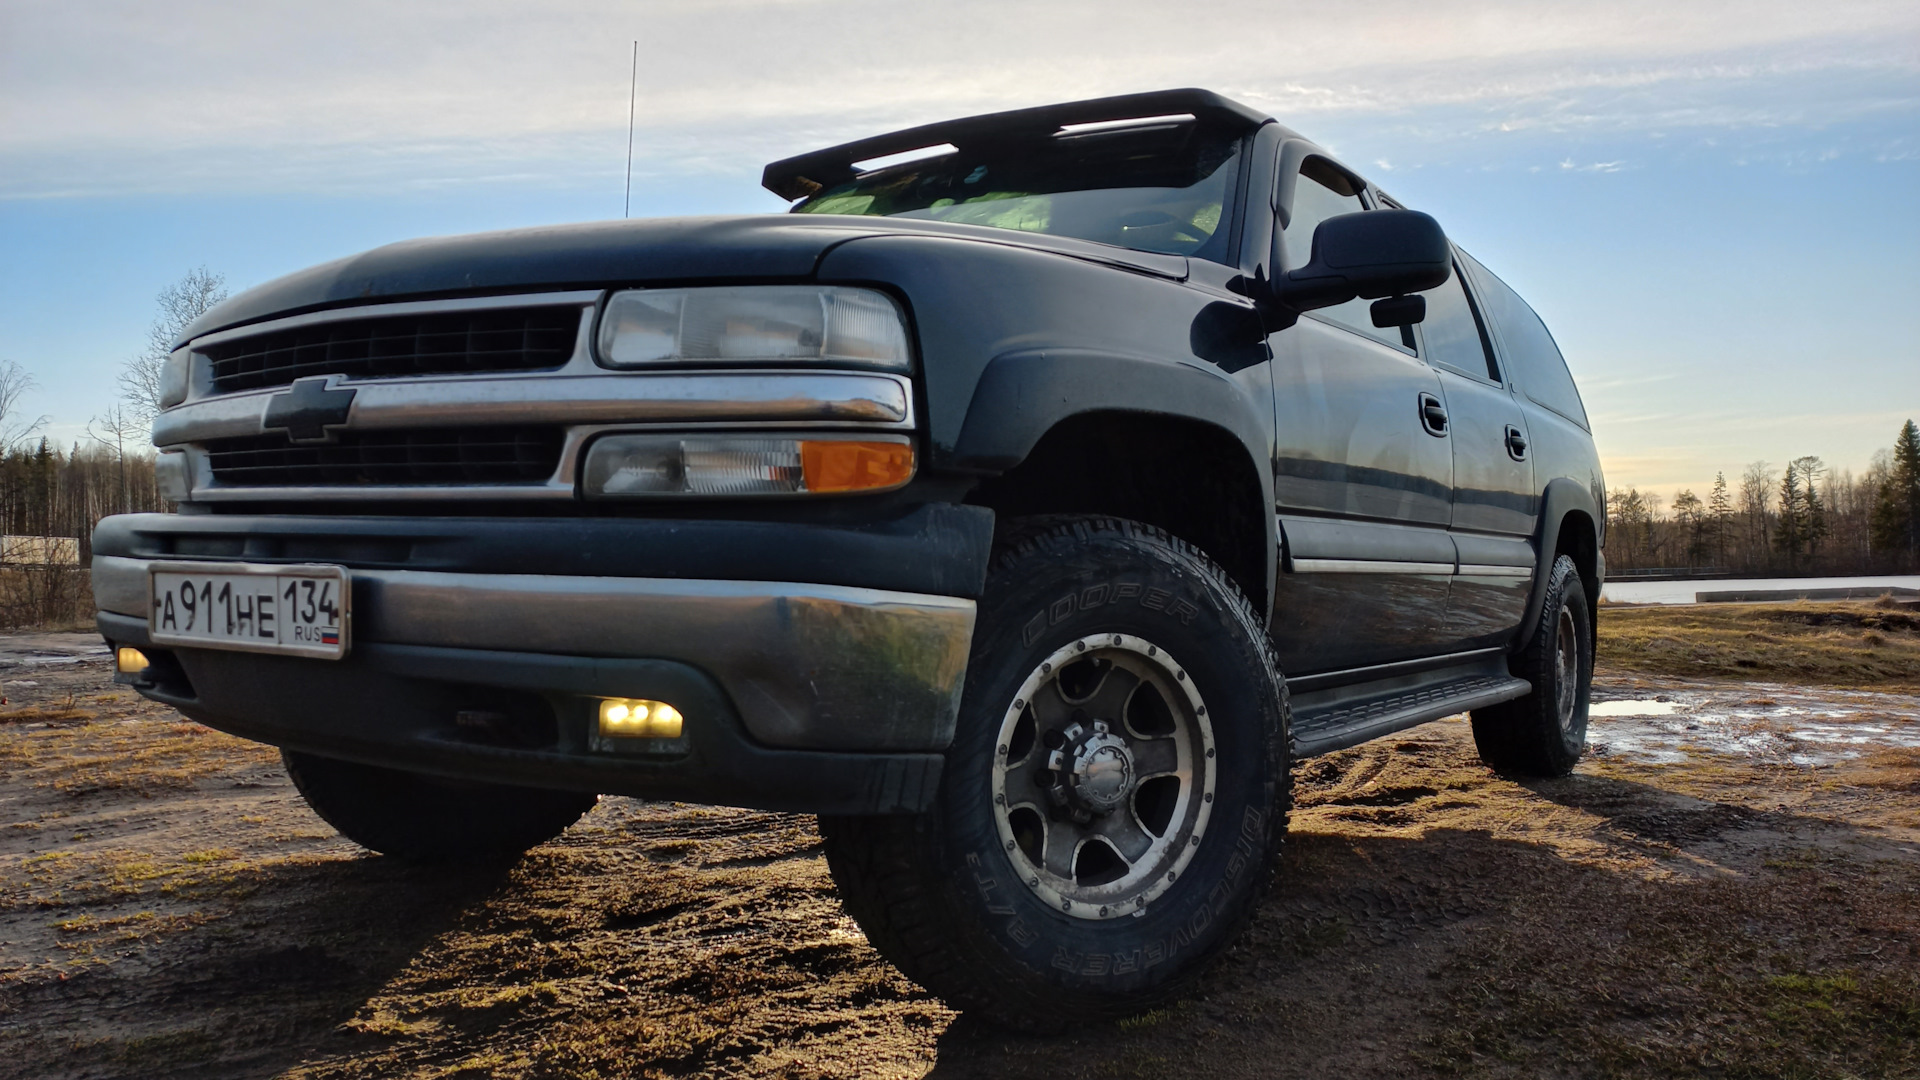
column 1451, row 333
column 1163, row 188
column 1321, row 192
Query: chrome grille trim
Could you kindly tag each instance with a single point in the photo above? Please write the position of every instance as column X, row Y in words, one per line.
column 560, row 398
column 200, row 384
column 580, row 398
column 533, row 338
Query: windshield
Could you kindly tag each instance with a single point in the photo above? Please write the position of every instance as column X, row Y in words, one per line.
column 1163, row 188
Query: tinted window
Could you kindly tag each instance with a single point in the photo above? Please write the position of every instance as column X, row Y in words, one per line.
column 1537, row 366
column 1161, row 188
column 1452, row 334
column 1322, row 192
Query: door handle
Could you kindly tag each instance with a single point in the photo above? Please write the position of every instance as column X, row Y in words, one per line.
column 1516, row 443
column 1433, row 416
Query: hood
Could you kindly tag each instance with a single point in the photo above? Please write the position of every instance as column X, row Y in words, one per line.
column 607, row 254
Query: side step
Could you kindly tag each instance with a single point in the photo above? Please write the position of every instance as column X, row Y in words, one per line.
column 1344, row 716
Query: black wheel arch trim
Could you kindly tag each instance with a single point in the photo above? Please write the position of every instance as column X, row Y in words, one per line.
column 1022, row 395
column 1563, row 496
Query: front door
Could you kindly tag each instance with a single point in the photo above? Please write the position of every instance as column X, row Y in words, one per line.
column 1362, row 480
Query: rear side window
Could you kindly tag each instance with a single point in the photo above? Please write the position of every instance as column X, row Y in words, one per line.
column 1536, row 365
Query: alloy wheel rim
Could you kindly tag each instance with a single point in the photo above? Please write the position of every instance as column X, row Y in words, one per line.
column 1567, row 668
column 1103, row 777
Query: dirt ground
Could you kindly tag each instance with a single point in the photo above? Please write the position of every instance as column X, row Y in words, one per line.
column 1729, row 886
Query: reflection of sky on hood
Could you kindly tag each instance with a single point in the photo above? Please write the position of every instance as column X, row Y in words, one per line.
column 1709, row 203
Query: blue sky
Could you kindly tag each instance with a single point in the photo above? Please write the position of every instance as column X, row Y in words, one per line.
column 1712, row 204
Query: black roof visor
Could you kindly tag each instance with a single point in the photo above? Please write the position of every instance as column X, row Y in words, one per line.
column 802, row 175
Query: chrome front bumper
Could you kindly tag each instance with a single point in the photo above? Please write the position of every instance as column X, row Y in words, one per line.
column 816, row 667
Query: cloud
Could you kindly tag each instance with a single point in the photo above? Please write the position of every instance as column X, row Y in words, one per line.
column 127, row 96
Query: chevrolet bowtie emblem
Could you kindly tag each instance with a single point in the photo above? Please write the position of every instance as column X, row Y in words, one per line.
column 309, row 410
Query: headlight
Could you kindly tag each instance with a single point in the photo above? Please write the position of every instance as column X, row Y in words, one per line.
column 642, row 466
column 173, row 378
column 745, row 324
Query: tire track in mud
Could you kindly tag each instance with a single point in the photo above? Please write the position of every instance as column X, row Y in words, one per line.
column 664, row 940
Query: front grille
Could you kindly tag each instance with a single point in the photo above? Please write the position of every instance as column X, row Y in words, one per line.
column 457, row 342
column 440, row 456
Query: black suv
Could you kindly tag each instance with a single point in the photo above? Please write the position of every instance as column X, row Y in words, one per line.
column 1024, row 506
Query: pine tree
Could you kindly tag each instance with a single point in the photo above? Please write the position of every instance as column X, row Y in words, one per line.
column 1896, row 513
column 1790, row 537
column 1719, row 518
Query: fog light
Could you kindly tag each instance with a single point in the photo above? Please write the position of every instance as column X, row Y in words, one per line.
column 129, row 661
column 638, row 718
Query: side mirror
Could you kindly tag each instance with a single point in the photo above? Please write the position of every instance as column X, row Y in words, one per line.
column 1398, row 311
column 1372, row 254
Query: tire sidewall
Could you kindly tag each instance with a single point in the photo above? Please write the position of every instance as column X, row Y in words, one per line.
column 1130, row 584
column 1571, row 597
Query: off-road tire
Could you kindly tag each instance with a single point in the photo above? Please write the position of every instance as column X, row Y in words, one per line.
column 937, row 893
column 428, row 820
column 1544, row 733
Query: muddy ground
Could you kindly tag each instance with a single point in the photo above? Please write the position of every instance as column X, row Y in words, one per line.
column 1729, row 886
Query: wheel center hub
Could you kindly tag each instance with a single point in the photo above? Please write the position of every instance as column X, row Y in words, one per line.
column 1096, row 769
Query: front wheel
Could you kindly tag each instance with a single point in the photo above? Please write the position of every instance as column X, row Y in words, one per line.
column 1113, row 796
column 1544, row 733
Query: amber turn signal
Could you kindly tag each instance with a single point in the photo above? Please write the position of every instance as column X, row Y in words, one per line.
column 853, row 465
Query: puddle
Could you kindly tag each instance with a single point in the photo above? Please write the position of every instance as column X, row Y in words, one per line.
column 1631, row 708
column 1788, row 725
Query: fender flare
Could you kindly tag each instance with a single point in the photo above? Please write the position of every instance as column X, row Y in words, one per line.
column 1563, row 495
column 1023, row 394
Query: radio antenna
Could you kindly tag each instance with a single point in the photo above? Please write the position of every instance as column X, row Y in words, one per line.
column 633, row 85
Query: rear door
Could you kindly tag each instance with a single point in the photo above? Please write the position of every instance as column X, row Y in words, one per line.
column 1362, row 485
column 1495, row 504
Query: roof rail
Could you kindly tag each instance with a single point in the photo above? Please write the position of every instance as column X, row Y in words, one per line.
column 802, row 175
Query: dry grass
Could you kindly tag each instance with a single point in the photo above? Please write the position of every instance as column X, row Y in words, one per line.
column 1825, row 644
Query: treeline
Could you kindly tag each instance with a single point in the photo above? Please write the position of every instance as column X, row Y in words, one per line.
column 1798, row 520
column 45, row 491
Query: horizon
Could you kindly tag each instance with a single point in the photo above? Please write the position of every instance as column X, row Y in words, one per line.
column 1722, row 238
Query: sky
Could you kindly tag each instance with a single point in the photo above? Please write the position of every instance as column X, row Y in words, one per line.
column 1713, row 205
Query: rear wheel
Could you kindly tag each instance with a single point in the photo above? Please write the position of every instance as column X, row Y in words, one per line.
column 426, row 819
column 1544, row 733
column 1113, row 795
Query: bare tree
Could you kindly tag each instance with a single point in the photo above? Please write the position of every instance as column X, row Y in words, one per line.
column 118, row 426
column 15, row 384
column 1756, row 499
column 180, row 303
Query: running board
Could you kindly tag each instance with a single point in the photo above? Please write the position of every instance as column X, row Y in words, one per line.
column 1344, row 716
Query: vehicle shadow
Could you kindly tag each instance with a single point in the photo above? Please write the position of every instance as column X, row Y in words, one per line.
column 1461, row 950
column 1728, row 835
column 294, row 950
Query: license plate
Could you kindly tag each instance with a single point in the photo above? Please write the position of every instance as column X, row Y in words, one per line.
column 294, row 610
